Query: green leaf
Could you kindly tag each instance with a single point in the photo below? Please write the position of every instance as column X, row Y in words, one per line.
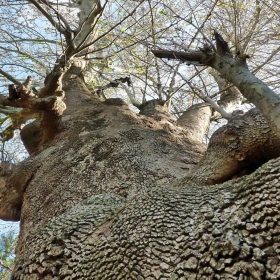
column 162, row 12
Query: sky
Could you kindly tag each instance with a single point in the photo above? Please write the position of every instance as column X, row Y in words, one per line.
column 6, row 227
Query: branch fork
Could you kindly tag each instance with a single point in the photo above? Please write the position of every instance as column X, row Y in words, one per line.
column 235, row 71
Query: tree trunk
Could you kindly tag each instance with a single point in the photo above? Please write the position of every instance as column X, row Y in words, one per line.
column 105, row 200
column 197, row 120
column 103, row 148
column 235, row 150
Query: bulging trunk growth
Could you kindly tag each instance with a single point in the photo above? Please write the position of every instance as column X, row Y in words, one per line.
column 111, row 194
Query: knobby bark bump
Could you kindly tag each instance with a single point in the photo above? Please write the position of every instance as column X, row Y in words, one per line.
column 109, row 195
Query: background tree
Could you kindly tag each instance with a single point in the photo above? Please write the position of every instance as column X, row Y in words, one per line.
column 7, row 255
column 108, row 193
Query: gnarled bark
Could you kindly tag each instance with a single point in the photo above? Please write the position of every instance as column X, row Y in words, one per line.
column 236, row 149
column 109, row 208
column 103, row 148
column 229, row 231
column 115, row 205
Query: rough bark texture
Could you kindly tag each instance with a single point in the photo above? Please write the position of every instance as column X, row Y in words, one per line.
column 197, row 120
column 104, row 148
column 236, row 149
column 100, row 203
column 229, row 231
column 107, row 198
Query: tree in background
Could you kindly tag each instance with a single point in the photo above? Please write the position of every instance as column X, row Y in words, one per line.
column 7, row 253
column 108, row 193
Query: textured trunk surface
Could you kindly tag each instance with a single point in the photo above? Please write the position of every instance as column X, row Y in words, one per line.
column 105, row 200
column 104, row 148
column 197, row 120
column 229, row 231
column 235, row 149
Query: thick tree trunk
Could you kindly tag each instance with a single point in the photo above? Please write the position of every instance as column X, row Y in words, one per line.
column 107, row 199
column 229, row 231
column 103, row 148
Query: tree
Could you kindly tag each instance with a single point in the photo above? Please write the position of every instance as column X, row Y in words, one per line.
column 7, row 246
column 107, row 193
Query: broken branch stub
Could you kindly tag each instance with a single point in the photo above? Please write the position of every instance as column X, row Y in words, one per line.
column 221, row 44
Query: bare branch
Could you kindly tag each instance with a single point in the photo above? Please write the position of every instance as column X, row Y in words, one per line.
column 5, row 266
column 199, row 29
column 253, row 27
column 120, row 82
column 24, row 54
column 192, row 56
column 214, row 105
column 30, row 40
column 266, row 61
column 9, row 77
column 48, row 17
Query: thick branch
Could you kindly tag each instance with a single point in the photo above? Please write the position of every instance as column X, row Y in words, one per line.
column 51, row 96
column 221, row 44
column 17, row 117
column 235, row 70
column 236, row 149
column 197, row 120
column 191, row 57
column 53, row 81
column 50, row 103
column 257, row 92
column 89, row 15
